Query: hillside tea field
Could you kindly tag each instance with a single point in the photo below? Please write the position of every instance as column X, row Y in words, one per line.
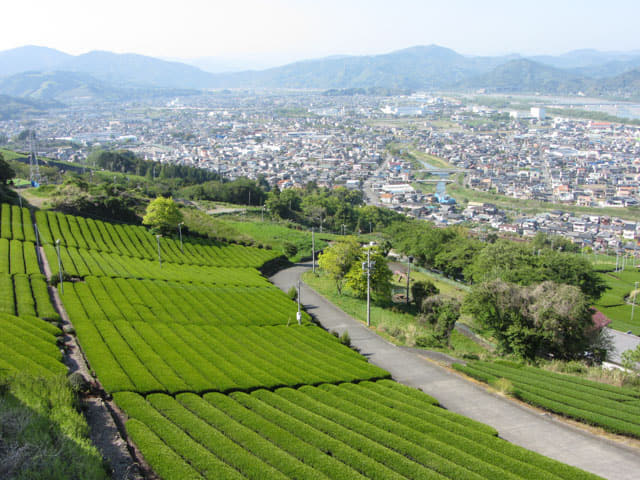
column 616, row 409
column 215, row 375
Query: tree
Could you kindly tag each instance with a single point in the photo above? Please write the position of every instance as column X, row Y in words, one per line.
column 537, row 320
column 442, row 313
column 380, row 276
column 290, row 249
column 423, row 289
column 338, row 258
column 162, row 215
column 6, row 171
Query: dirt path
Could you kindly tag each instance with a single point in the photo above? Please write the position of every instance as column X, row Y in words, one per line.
column 106, row 422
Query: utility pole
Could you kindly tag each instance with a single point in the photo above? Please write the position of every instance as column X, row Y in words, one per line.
column 313, row 249
column 263, row 207
column 180, row 230
column 409, row 276
column 159, row 257
column 366, row 266
column 633, row 304
column 299, row 313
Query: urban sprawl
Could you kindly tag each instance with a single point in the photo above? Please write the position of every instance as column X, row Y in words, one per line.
column 438, row 158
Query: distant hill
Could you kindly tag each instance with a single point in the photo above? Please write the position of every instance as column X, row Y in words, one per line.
column 524, row 75
column 30, row 58
column 625, row 85
column 11, row 107
column 425, row 67
column 137, row 70
column 69, row 87
column 42, row 73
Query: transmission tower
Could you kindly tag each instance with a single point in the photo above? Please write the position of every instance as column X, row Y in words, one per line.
column 34, row 167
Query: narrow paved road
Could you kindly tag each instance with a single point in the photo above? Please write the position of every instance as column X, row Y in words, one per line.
column 515, row 423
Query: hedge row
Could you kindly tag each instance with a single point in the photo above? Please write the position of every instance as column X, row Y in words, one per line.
column 344, row 431
column 77, row 262
column 609, row 407
column 150, row 357
column 136, row 241
column 18, row 257
column 28, row 344
column 15, row 223
column 22, row 294
column 175, row 302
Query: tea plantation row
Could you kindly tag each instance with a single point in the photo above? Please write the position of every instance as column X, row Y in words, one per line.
column 77, row 262
column 18, row 257
column 156, row 301
column 136, row 241
column 369, row 430
column 16, row 223
column 615, row 409
column 26, row 295
column 217, row 377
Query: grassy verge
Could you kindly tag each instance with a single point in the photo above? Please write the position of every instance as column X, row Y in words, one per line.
column 394, row 322
column 43, row 435
column 614, row 302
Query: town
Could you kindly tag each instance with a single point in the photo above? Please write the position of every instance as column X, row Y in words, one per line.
column 448, row 159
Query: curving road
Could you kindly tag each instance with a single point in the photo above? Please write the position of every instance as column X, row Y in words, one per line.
column 516, row 423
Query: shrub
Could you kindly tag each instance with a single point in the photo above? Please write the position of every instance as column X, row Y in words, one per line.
column 503, row 386
column 292, row 293
column 427, row 341
column 290, row 249
column 345, row 339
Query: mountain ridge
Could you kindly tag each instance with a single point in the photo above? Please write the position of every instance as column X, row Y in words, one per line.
column 421, row 67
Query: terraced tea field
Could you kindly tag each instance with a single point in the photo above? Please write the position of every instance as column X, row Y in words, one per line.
column 215, row 374
column 615, row 409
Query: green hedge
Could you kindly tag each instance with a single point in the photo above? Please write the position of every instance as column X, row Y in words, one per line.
column 613, row 408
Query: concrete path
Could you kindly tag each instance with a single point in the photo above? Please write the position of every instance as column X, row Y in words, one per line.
column 518, row 424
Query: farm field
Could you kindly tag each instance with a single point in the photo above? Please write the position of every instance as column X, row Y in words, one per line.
column 22, row 294
column 368, row 430
column 616, row 409
column 78, row 262
column 28, row 345
column 156, row 301
column 136, row 241
column 18, row 257
column 218, row 380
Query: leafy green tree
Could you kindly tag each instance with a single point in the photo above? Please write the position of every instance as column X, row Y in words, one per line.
column 6, row 171
column 290, row 249
column 442, row 313
column 380, row 278
column 421, row 290
column 162, row 215
column 631, row 358
column 537, row 320
column 337, row 259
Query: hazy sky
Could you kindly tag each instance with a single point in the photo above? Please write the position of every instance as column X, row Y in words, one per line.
column 279, row 31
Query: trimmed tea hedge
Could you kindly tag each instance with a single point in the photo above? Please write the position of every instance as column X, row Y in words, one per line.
column 138, row 242
column 613, row 408
column 77, row 262
column 26, row 295
column 28, row 344
column 184, row 303
column 330, row 431
column 149, row 357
